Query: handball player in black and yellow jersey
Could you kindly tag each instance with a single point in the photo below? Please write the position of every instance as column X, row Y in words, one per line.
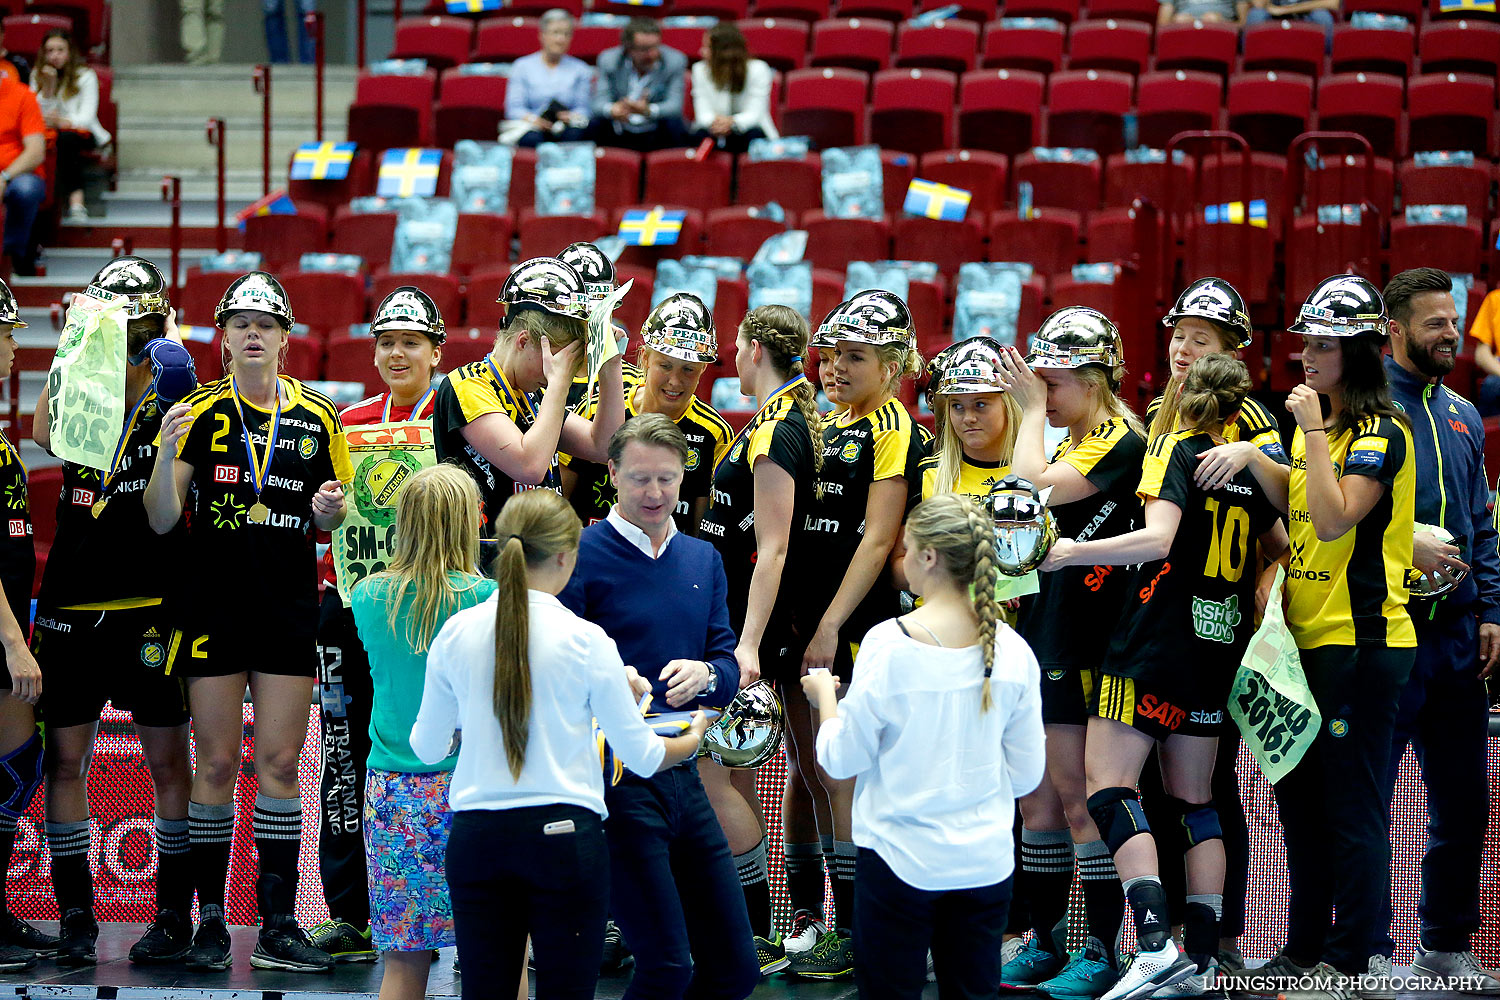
column 1079, row 365
column 762, row 489
column 408, row 333
column 977, row 421
column 1165, row 681
column 1351, row 499
column 101, row 636
column 485, row 418
column 21, row 681
column 860, row 499
column 677, row 343
column 268, row 459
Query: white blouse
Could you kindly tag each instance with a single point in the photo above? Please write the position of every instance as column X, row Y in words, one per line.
column 82, row 109
column 750, row 108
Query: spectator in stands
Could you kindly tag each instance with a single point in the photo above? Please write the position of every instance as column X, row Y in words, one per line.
column 549, row 88
column 276, row 43
column 1207, row 11
column 202, row 31
column 638, row 103
column 23, row 147
column 1323, row 13
column 731, row 91
column 68, row 93
column 1484, row 329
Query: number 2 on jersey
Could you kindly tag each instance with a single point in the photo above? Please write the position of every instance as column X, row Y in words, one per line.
column 1228, row 542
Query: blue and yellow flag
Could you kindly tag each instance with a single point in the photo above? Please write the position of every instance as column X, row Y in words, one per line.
column 409, row 173
column 936, row 201
column 275, row 203
column 1234, row 213
column 322, row 161
column 473, row 6
column 656, row 228
column 1460, row 6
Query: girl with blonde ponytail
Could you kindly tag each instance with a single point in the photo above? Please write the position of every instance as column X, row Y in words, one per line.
column 523, row 680
column 942, row 725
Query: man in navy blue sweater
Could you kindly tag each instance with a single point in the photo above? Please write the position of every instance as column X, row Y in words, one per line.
column 661, row 597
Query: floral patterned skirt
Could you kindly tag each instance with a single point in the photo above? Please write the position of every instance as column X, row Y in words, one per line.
column 407, row 820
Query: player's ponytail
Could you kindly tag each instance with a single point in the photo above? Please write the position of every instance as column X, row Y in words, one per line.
column 1212, row 392
column 532, row 527
column 782, row 331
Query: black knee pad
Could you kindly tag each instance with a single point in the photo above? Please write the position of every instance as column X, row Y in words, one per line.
column 20, row 776
column 1201, row 821
column 1118, row 815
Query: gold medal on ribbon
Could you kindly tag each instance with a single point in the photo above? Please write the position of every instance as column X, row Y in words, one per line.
column 98, row 508
column 107, row 479
column 259, row 512
column 259, row 470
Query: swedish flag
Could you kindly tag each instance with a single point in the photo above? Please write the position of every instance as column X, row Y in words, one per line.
column 322, row 161
column 936, row 201
column 473, row 6
column 1459, row 6
column 1234, row 213
column 655, row 228
column 409, row 173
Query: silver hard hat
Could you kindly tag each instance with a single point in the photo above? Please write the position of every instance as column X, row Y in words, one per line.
column 1076, row 336
column 749, row 732
column 1024, row 526
column 1424, row 587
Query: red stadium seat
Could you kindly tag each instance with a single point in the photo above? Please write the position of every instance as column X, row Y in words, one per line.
column 522, row 180
column 442, row 41
column 1269, row 108
column 325, row 300
column 1112, row 235
column 1106, row 298
column 352, row 359
column 781, row 43
column 469, row 107
column 1446, row 185
column 1242, row 255
column 392, row 111
column 1177, row 101
column 591, row 39
column 912, row 109
column 1456, row 249
column 827, row 105
column 889, row 10
column 546, row 235
column 1124, row 46
column 1409, row 9
column 1372, row 50
column 1066, row 11
column 675, row 176
column 949, row 45
column 833, row 243
column 1048, row 241
column 1222, row 180
column 1167, row 186
column 282, row 239
column 1036, row 49
column 360, row 180
column 617, row 177
column 896, row 172
column 1087, row 108
column 200, row 296
column 978, row 11
column 1125, row 10
column 1285, row 44
column 798, row 10
column 731, row 302
column 90, row 24
column 24, row 32
column 1000, row 110
column 795, row 185
column 724, row 10
column 1367, row 103
column 443, row 288
column 685, row 38
column 1314, row 250
column 467, row 346
column 480, row 241
column 1452, row 111
column 856, row 43
column 368, row 235
column 949, row 245
column 1073, row 185
column 738, row 231
column 980, row 173
column 506, row 39
column 689, row 239
column 540, row 7
column 1462, row 46
column 483, row 288
column 1340, row 180
column 1194, row 45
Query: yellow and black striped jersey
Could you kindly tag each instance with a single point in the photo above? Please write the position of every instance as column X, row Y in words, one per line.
column 17, row 554
column 1254, row 424
column 1352, row 590
column 468, row 393
column 916, row 454
column 975, row 478
column 241, row 561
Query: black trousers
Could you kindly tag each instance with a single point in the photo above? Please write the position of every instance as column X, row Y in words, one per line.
column 70, row 163
column 509, row 877
column 1333, row 807
column 734, row 142
column 895, row 924
column 347, row 692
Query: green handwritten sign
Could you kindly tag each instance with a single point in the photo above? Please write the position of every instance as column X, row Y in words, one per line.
column 86, row 384
column 1270, row 700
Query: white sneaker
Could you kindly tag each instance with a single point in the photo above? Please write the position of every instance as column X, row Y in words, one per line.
column 1149, row 971
column 806, row 930
column 1375, row 984
column 1010, row 949
column 1454, row 971
column 1325, row 983
column 1196, row 985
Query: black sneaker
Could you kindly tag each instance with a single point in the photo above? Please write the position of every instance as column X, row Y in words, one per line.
column 14, row 958
column 168, row 938
column 210, row 950
column 18, row 933
column 283, row 945
column 79, row 932
column 617, row 956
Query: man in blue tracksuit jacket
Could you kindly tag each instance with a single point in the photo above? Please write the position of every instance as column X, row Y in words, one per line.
column 1444, row 711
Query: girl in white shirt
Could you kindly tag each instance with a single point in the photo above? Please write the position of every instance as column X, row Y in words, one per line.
column 942, row 730
column 67, row 91
column 523, row 679
column 731, row 91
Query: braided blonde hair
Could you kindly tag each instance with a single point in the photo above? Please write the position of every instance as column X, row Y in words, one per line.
column 963, row 536
column 782, row 331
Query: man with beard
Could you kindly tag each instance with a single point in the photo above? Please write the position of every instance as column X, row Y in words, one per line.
column 1443, row 711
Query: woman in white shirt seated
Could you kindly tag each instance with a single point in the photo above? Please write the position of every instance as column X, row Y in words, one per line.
column 523, row 679
column 942, row 727
column 68, row 92
column 731, row 91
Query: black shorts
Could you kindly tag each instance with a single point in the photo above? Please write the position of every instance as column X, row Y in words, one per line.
column 1066, row 696
column 281, row 649
column 1162, row 709
column 118, row 656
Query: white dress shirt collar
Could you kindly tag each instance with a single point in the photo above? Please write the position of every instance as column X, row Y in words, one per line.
column 635, row 536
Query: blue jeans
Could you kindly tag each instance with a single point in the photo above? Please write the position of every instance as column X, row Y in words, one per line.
column 276, row 41
column 1489, row 396
column 1322, row 18
column 23, row 196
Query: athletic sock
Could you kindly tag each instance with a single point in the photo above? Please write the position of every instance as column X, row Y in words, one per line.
column 804, row 877
column 174, row 867
column 825, row 841
column 68, row 843
column 278, row 840
column 755, row 881
column 1200, row 932
column 1103, row 898
column 1148, row 903
column 210, row 832
column 1046, row 880
column 844, row 855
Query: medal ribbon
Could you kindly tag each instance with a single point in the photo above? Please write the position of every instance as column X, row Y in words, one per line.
column 259, row 471
column 114, row 464
column 525, row 401
column 416, row 413
column 785, row 388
